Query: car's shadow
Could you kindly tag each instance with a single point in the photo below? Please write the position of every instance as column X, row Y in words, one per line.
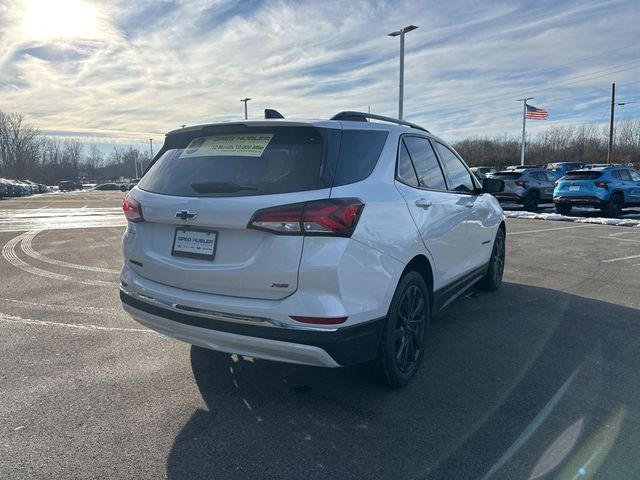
column 516, row 383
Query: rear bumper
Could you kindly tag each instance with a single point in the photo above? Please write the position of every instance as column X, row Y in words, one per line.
column 580, row 200
column 259, row 338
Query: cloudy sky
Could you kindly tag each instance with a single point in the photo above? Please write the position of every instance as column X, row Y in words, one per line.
column 125, row 71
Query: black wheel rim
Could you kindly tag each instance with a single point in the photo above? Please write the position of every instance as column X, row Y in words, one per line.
column 498, row 258
column 408, row 334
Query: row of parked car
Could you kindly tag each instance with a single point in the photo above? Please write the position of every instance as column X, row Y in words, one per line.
column 20, row 188
column 608, row 187
column 70, row 185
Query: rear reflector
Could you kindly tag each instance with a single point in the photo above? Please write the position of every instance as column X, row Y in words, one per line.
column 521, row 183
column 604, row 185
column 336, row 217
column 320, row 320
column 132, row 210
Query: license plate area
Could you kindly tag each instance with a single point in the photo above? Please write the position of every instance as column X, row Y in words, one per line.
column 574, row 188
column 194, row 243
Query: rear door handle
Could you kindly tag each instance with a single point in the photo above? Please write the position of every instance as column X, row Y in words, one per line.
column 468, row 205
column 423, row 203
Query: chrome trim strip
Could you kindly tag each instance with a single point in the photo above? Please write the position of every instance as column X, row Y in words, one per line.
column 225, row 317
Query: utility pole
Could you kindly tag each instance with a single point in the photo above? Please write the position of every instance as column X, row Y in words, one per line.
column 613, row 106
column 401, row 33
column 245, row 100
column 524, row 126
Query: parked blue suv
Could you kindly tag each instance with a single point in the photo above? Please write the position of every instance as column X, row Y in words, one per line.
column 607, row 188
column 560, row 169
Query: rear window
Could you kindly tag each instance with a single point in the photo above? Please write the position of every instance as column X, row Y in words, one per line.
column 507, row 175
column 262, row 161
column 582, row 175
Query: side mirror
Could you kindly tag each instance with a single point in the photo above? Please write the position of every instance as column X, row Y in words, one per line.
column 492, row 185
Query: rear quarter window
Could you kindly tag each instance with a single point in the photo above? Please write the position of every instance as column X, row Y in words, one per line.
column 359, row 153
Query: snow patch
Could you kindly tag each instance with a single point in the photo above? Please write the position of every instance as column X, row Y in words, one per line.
column 630, row 221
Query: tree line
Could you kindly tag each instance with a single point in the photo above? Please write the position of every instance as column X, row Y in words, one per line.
column 586, row 143
column 27, row 154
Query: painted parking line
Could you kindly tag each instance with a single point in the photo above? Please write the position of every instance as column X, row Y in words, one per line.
column 45, row 323
column 611, row 260
column 609, row 237
column 545, row 230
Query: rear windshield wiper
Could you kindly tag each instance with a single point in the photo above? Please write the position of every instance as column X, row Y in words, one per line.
column 220, row 187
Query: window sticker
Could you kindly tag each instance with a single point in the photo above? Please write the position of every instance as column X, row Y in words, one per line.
column 238, row 145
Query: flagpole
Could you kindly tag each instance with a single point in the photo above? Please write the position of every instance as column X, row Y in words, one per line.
column 524, row 126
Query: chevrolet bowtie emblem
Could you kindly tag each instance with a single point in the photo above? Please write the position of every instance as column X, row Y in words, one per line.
column 186, row 215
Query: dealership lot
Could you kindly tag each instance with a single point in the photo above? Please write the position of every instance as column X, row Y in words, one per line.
column 541, row 376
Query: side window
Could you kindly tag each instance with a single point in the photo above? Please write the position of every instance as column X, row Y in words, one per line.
column 458, row 176
column 537, row 176
column 550, row 177
column 635, row 176
column 406, row 172
column 425, row 162
column 624, row 175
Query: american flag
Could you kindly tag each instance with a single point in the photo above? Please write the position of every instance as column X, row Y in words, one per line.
column 536, row 113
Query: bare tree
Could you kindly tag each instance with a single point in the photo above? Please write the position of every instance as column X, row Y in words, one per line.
column 18, row 146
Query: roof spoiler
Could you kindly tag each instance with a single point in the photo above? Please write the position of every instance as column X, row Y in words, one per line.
column 271, row 113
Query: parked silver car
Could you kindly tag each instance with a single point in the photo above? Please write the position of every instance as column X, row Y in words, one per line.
column 526, row 186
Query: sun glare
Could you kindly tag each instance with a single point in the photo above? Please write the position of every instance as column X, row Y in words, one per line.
column 59, row 19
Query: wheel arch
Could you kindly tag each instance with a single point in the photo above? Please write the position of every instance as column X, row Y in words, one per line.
column 421, row 264
column 617, row 192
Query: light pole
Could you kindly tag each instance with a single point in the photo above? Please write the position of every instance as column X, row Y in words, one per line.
column 245, row 100
column 401, row 32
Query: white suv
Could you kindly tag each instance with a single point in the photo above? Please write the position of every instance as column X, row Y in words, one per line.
column 323, row 243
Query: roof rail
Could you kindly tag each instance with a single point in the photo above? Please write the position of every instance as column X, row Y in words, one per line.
column 363, row 117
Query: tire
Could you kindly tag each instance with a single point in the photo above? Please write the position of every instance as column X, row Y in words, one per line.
column 403, row 341
column 123, row 188
column 493, row 277
column 531, row 201
column 614, row 207
column 563, row 208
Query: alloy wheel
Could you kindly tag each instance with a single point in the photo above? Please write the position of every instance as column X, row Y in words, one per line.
column 408, row 334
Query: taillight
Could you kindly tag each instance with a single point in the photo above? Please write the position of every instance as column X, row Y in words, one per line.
column 132, row 210
column 604, row 185
column 521, row 183
column 320, row 320
column 336, row 217
column 555, row 184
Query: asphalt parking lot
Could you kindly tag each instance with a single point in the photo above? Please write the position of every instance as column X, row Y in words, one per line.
column 538, row 380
